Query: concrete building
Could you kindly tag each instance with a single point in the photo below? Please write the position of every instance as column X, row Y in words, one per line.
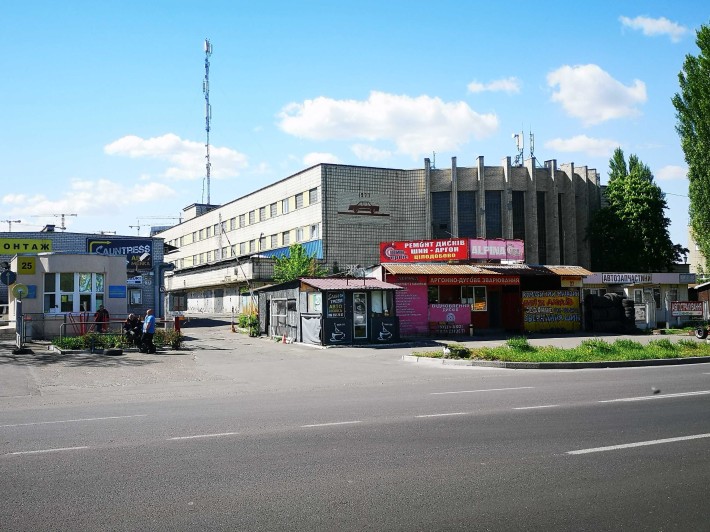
column 341, row 213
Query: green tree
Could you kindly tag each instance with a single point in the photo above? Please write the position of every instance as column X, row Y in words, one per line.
column 631, row 234
column 692, row 106
column 297, row 264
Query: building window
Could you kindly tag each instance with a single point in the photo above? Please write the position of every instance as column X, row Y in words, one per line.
column 242, row 220
column 286, row 238
column 208, row 231
column 467, row 214
column 381, row 301
column 433, row 295
column 299, row 234
column 272, row 210
column 262, row 214
column 299, row 200
column 441, row 214
column 252, row 217
column 474, row 296
column 315, row 232
column 225, row 252
column 242, row 248
column 202, row 234
column 215, row 230
column 274, row 241
column 252, row 246
column 232, row 224
column 194, row 236
column 494, row 218
column 541, row 229
column 518, row 215
column 262, row 243
column 135, row 297
column 284, row 206
column 78, row 292
column 312, row 196
column 638, row 296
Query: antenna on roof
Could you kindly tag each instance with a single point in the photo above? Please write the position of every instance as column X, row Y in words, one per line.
column 520, row 146
column 208, row 116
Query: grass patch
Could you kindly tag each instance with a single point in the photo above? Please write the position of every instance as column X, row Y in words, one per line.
column 518, row 349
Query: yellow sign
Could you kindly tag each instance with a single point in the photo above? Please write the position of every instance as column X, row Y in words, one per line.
column 26, row 265
column 12, row 246
column 571, row 282
column 551, row 310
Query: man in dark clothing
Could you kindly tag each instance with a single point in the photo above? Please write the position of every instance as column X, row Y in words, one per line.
column 132, row 328
column 101, row 318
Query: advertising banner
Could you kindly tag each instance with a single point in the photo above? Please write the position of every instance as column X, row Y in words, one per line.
column 138, row 251
column 686, row 308
column 498, row 249
column 474, row 279
column 551, row 309
column 11, row 246
column 449, row 319
column 424, row 250
column 412, row 308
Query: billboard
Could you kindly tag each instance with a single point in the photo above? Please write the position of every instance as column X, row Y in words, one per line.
column 497, row 249
column 551, row 310
column 138, row 251
column 687, row 308
column 424, row 250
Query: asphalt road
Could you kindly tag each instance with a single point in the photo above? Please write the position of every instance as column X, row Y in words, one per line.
column 241, row 434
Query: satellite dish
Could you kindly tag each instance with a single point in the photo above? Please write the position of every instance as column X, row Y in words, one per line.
column 20, row 290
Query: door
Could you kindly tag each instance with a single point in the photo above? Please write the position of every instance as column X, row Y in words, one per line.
column 360, row 315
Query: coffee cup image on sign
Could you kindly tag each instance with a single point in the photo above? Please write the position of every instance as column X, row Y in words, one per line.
column 337, row 335
column 384, row 333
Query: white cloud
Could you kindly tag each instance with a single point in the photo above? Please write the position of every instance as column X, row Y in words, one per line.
column 370, row 153
column 186, row 157
column 416, row 125
column 584, row 144
column 589, row 93
column 314, row 158
column 509, row 85
column 671, row 173
column 86, row 198
column 655, row 26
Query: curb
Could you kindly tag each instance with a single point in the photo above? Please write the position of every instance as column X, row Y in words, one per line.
column 556, row 365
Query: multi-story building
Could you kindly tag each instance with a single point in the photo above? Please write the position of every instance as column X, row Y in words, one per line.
column 340, row 213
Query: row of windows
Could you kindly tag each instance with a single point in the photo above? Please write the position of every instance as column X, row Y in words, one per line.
column 257, row 215
column 264, row 243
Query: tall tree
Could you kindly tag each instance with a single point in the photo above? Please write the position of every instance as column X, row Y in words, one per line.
column 297, row 264
column 692, row 106
column 631, row 234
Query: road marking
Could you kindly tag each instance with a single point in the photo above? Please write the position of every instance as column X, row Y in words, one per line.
column 330, row 424
column 649, row 397
column 488, row 390
column 533, row 407
column 448, row 414
column 639, row 444
column 50, row 450
column 217, row 435
column 71, row 420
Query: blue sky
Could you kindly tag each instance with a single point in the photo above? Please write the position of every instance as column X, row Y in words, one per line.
column 103, row 110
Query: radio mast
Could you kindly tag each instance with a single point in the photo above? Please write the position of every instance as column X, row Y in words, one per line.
column 208, row 117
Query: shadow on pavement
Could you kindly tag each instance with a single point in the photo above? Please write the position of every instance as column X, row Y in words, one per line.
column 72, row 360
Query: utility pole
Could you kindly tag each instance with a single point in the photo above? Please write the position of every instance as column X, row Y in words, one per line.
column 208, row 114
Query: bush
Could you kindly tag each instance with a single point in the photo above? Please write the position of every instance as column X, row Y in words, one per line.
column 245, row 321
column 169, row 337
column 520, row 343
column 458, row 351
column 595, row 345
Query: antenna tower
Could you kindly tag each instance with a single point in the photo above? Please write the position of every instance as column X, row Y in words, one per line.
column 532, row 144
column 208, row 116
column 519, row 139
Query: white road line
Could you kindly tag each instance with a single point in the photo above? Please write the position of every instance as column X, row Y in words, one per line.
column 488, row 390
column 330, row 424
column 217, row 435
column 659, row 396
column 533, row 407
column 639, row 444
column 50, row 450
column 71, row 420
column 448, row 414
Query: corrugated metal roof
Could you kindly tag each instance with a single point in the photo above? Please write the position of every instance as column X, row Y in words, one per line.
column 569, row 270
column 434, row 269
column 339, row 283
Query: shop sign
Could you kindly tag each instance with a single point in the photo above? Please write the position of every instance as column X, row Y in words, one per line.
column 571, row 282
column 626, row 278
column 11, row 246
column 424, row 250
column 138, row 251
column 117, row 291
column 686, row 308
column 474, row 279
column 497, row 249
column 336, row 305
column 449, row 319
column 551, row 309
column 412, row 307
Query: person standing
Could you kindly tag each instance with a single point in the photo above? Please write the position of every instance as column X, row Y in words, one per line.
column 101, row 318
column 148, row 332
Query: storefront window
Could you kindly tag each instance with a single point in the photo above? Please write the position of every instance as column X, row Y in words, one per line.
column 433, row 295
column 479, row 299
column 381, row 302
column 360, row 315
column 78, row 292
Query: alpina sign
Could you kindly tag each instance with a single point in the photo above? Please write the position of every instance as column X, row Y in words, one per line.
column 496, row 249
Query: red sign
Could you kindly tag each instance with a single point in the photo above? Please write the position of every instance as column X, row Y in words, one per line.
column 474, row 279
column 424, row 250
